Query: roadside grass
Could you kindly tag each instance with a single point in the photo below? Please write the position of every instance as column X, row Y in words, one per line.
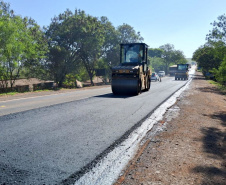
column 44, row 90
column 213, row 82
column 219, row 86
column 9, row 93
column 14, row 93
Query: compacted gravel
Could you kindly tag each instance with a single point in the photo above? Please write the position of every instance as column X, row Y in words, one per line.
column 191, row 147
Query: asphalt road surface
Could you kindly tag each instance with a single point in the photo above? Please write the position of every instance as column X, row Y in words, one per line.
column 45, row 140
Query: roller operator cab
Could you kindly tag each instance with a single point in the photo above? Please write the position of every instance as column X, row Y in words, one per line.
column 182, row 72
column 132, row 75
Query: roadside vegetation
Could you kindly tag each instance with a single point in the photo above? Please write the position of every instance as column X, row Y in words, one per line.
column 211, row 57
column 75, row 47
column 9, row 93
column 163, row 57
column 222, row 88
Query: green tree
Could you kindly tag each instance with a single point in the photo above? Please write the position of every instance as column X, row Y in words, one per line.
column 155, row 52
column 217, row 50
column 157, row 64
column 18, row 43
column 74, row 40
column 218, row 33
column 111, row 43
column 220, row 73
column 206, row 58
column 110, row 49
column 35, row 65
column 127, row 34
column 155, row 60
column 171, row 56
column 179, row 57
column 62, row 36
column 211, row 56
column 92, row 41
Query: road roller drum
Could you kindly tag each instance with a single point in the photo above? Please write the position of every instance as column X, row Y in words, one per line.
column 125, row 86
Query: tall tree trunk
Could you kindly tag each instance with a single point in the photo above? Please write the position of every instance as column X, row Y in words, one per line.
column 91, row 78
column 89, row 71
column 60, row 83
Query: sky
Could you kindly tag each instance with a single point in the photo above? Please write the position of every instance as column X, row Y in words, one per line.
column 183, row 23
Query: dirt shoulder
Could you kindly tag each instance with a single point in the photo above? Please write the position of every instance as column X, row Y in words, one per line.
column 191, row 149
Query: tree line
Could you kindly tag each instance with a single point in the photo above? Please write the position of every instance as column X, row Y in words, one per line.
column 163, row 57
column 71, row 48
column 22, row 45
column 211, row 56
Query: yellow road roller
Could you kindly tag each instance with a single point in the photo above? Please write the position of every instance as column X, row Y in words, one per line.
column 132, row 75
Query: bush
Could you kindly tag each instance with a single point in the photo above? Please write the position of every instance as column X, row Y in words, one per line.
column 220, row 73
column 70, row 81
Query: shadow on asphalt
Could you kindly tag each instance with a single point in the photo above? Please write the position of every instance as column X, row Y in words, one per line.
column 111, row 95
column 214, row 144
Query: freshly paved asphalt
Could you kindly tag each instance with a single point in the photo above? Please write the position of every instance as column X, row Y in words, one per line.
column 44, row 140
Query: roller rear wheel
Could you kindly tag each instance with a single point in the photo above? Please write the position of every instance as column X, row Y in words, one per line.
column 148, row 84
column 138, row 87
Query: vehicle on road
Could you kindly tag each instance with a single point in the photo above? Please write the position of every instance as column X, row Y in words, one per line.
column 155, row 77
column 161, row 73
column 182, row 72
column 132, row 75
column 172, row 70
